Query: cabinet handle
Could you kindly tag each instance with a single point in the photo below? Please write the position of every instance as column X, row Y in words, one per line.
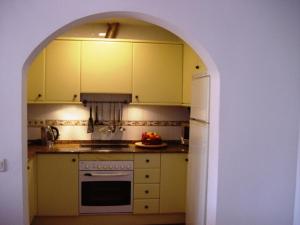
column 137, row 98
column 197, row 67
column 146, row 192
column 147, row 160
column 39, row 95
column 73, row 160
column 147, row 176
column 74, row 97
column 146, row 206
column 28, row 167
column 186, row 159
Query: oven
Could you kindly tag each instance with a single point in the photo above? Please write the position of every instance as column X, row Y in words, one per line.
column 105, row 187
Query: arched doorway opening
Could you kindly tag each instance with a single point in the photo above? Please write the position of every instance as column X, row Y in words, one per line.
column 211, row 195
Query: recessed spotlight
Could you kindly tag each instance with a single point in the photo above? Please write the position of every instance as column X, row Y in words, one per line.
column 101, row 34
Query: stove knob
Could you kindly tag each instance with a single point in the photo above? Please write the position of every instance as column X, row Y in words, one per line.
column 128, row 167
column 104, row 167
column 117, row 166
column 87, row 166
column 110, row 167
column 99, row 166
column 122, row 167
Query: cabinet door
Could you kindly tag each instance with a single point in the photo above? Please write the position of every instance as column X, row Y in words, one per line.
column 173, row 183
column 36, row 78
column 157, row 73
column 106, row 67
column 192, row 64
column 32, row 198
column 63, row 71
column 57, row 179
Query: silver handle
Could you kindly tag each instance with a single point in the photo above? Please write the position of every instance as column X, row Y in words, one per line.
column 198, row 120
column 106, row 174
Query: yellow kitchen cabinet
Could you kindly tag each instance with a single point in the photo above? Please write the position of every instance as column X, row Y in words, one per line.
column 146, row 206
column 157, row 73
column 145, row 191
column 146, row 176
column 57, row 181
column 173, row 182
column 192, row 64
column 150, row 160
column 32, row 188
column 63, row 71
column 36, row 79
column 106, row 67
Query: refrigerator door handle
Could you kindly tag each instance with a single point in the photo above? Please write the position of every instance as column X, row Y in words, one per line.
column 198, row 120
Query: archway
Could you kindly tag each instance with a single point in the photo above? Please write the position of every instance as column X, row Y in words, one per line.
column 214, row 92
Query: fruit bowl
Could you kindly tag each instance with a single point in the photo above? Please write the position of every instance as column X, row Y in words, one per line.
column 151, row 138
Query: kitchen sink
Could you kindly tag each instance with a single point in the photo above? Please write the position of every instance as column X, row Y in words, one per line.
column 105, row 146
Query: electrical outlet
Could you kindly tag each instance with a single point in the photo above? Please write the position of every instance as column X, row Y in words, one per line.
column 2, row 165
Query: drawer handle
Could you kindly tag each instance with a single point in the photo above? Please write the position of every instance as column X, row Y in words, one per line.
column 146, row 192
column 73, row 160
column 147, row 160
column 146, row 207
column 147, row 176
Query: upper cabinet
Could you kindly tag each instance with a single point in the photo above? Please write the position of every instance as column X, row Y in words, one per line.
column 157, row 73
column 36, row 79
column 63, row 71
column 154, row 73
column 106, row 67
column 192, row 64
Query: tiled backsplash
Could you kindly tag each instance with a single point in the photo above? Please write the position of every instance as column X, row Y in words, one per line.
column 71, row 121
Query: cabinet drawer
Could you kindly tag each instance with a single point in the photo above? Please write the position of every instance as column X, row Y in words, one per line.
column 147, row 160
column 146, row 176
column 144, row 206
column 142, row 191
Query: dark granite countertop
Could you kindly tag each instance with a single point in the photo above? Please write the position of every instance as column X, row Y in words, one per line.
column 83, row 147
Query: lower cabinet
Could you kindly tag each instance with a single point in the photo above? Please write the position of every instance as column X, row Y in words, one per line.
column 146, row 183
column 57, row 182
column 145, row 191
column 32, row 188
column 160, row 183
column 173, row 182
column 146, row 206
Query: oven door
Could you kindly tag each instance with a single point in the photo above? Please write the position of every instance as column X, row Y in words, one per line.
column 105, row 191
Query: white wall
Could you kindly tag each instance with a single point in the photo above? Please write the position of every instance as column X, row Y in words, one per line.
column 297, row 198
column 256, row 47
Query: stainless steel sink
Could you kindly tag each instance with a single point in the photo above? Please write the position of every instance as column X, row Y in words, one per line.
column 107, row 147
column 101, row 146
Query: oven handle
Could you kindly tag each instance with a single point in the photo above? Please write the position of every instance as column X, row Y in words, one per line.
column 106, row 174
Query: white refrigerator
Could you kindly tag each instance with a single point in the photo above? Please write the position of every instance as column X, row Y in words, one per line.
column 198, row 151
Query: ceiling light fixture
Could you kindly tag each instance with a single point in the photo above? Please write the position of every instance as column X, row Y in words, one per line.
column 102, row 34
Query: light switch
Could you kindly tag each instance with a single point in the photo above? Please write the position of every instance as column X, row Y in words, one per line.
column 2, row 165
